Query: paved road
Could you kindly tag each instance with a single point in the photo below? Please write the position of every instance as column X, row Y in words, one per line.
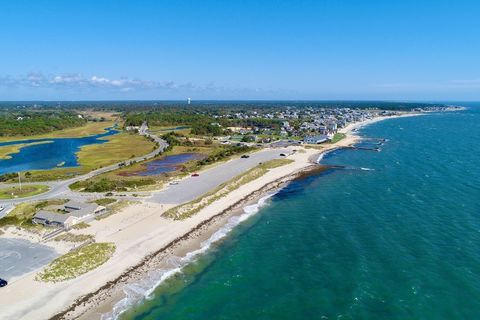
column 191, row 188
column 60, row 188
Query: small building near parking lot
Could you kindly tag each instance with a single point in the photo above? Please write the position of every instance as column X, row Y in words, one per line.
column 72, row 213
column 316, row 139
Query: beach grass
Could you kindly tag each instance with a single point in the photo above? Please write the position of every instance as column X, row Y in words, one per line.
column 189, row 209
column 116, row 208
column 7, row 151
column 25, row 191
column 77, row 262
column 105, row 201
column 81, row 225
column 72, row 237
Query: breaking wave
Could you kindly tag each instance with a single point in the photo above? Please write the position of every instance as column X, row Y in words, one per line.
column 144, row 288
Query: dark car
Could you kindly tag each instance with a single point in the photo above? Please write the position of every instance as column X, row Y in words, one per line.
column 245, row 156
column 195, row 175
column 283, row 155
column 3, row 283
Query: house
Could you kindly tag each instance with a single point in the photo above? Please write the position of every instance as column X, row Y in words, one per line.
column 316, row 139
column 73, row 213
column 51, row 219
column 332, row 127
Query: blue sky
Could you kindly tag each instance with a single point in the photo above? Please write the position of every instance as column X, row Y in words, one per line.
column 324, row 49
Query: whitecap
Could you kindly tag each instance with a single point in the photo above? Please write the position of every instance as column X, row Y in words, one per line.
column 145, row 288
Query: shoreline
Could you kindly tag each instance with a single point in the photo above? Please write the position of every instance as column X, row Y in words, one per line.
column 180, row 247
column 97, row 292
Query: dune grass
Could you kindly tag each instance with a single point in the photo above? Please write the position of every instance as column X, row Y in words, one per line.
column 77, row 262
column 187, row 210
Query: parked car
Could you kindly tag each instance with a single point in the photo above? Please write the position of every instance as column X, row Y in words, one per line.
column 245, row 156
column 173, row 183
column 283, row 155
column 1, row 209
column 3, row 282
column 195, row 175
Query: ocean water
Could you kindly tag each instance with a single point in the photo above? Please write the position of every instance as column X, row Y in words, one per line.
column 387, row 235
column 49, row 155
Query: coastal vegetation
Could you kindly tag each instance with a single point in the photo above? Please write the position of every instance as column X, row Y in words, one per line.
column 81, row 225
column 22, row 214
column 337, row 137
column 189, row 209
column 72, row 237
column 105, row 184
column 119, row 147
column 124, row 179
column 25, row 191
column 115, row 207
column 105, row 201
column 77, row 262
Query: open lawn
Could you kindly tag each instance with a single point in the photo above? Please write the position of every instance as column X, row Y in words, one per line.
column 337, row 137
column 25, row 191
column 76, row 263
column 91, row 128
column 7, row 151
column 119, row 147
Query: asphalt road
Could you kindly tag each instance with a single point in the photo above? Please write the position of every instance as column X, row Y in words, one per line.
column 61, row 189
column 191, row 188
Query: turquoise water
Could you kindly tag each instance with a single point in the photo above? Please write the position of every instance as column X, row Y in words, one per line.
column 49, row 155
column 396, row 240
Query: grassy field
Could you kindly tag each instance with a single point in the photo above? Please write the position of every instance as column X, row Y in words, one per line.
column 119, row 147
column 337, row 137
column 22, row 215
column 25, row 191
column 189, row 209
column 123, row 180
column 91, row 128
column 105, row 201
column 76, row 263
column 7, row 151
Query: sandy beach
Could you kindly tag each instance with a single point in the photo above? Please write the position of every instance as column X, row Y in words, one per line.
column 146, row 242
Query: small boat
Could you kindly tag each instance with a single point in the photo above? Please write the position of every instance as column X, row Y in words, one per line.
column 61, row 164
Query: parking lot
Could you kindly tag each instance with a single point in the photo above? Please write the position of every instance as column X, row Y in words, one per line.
column 19, row 256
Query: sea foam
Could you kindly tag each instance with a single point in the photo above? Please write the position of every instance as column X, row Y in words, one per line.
column 145, row 288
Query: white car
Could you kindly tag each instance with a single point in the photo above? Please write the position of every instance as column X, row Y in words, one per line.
column 173, row 183
column 1, row 209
